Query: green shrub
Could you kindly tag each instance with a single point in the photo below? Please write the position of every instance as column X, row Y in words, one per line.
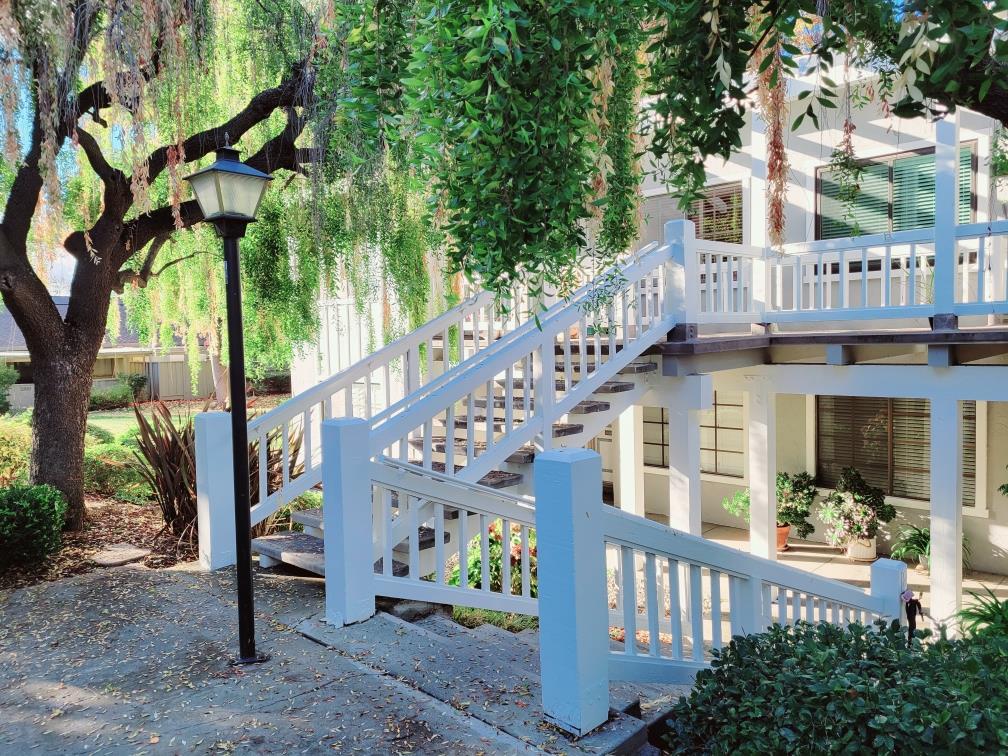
column 95, row 434
column 987, row 614
column 137, row 383
column 110, row 470
column 31, row 521
column 114, row 397
column 8, row 377
column 795, row 496
column 495, row 553
column 855, row 510
column 829, row 689
column 15, row 451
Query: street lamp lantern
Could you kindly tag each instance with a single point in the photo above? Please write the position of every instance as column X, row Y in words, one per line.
column 228, row 192
column 228, row 189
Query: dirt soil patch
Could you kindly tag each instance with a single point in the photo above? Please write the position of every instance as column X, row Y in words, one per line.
column 108, row 522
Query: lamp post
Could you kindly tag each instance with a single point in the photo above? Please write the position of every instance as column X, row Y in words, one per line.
column 228, row 192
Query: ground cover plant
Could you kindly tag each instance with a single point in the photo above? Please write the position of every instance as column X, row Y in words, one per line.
column 829, row 689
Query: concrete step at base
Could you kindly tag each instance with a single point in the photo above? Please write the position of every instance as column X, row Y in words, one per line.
column 306, row 552
column 471, row 678
column 312, row 518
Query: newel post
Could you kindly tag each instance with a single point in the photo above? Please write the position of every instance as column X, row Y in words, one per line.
column 215, row 518
column 573, row 611
column 888, row 581
column 946, row 215
column 682, row 279
column 347, row 521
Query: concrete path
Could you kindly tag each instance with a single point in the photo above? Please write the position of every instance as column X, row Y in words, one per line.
column 132, row 660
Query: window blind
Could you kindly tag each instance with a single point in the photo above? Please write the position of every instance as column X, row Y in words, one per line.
column 896, row 194
column 718, row 214
column 889, row 442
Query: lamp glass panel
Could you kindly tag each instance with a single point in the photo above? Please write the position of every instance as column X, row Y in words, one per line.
column 204, row 186
column 241, row 194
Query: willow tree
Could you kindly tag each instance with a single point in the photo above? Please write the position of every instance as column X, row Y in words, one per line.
column 134, row 72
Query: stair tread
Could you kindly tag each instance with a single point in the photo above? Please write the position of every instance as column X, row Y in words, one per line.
column 493, row 479
column 567, row 429
column 609, row 387
column 523, row 455
column 583, row 408
column 634, row 368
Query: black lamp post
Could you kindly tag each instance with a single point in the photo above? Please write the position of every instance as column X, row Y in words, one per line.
column 228, row 192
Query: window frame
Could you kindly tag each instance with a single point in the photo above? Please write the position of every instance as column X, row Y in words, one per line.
column 978, row 474
column 890, row 158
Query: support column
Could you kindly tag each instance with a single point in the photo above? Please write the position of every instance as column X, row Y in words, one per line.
column 629, row 460
column 946, row 508
column 761, row 468
column 684, row 400
column 755, row 207
column 215, row 490
column 946, row 216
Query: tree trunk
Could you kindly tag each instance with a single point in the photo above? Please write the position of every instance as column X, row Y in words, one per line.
column 62, row 389
column 219, row 372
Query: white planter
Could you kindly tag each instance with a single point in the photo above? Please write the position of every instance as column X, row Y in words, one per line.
column 862, row 550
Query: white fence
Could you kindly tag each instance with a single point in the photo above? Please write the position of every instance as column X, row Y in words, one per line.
column 670, row 598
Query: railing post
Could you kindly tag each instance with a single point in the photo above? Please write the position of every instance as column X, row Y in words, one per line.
column 682, row 280
column 888, row 581
column 946, row 214
column 347, row 513
column 573, row 610
column 215, row 518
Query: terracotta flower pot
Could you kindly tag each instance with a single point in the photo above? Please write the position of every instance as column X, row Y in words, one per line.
column 783, row 531
column 862, row 550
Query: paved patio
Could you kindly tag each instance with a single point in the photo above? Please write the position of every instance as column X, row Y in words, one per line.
column 832, row 563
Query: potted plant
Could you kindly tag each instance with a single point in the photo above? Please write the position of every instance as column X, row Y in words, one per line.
column 915, row 543
column 795, row 494
column 853, row 513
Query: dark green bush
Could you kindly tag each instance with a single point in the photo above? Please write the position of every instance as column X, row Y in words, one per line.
column 828, row 689
column 15, row 451
column 31, row 521
column 137, row 383
column 114, row 397
column 8, row 377
column 110, row 470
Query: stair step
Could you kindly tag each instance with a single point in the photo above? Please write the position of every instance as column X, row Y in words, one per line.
column 498, row 423
column 589, row 347
column 493, row 479
column 306, row 552
column 312, row 518
column 634, row 368
column 518, row 403
column 463, row 672
column 615, row 387
column 521, row 456
column 567, row 429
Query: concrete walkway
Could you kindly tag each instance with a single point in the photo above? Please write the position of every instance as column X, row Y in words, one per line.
column 132, row 660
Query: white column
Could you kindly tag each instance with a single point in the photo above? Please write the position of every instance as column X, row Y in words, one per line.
column 215, row 513
column 946, row 507
column 946, row 211
column 573, row 614
column 346, row 516
column 684, row 469
column 761, row 468
column 628, row 464
column 682, row 278
column 757, row 202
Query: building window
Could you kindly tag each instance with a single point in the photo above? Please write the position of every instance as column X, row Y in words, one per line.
column 656, row 437
column 889, row 442
column 718, row 214
column 721, row 436
column 896, row 193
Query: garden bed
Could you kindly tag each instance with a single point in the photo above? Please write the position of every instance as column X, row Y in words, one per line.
column 108, row 522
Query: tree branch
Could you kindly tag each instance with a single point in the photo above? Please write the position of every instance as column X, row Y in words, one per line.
column 110, row 176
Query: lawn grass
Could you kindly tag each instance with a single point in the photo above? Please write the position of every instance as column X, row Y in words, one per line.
column 514, row 623
column 115, row 422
